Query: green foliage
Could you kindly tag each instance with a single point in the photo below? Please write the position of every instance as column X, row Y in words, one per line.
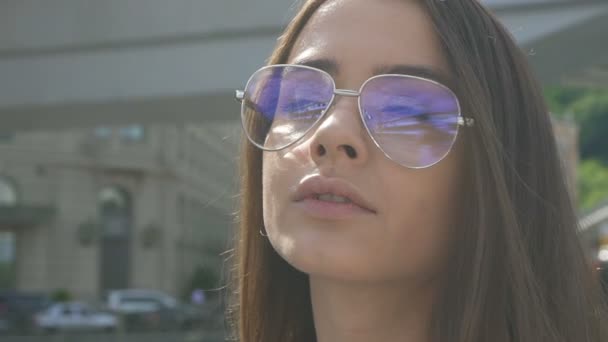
column 589, row 109
column 61, row 295
column 560, row 98
column 593, row 183
column 591, row 113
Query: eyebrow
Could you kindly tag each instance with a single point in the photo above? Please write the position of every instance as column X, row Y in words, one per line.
column 331, row 67
column 328, row 65
column 423, row 71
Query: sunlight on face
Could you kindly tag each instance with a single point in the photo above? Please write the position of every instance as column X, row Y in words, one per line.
column 415, row 209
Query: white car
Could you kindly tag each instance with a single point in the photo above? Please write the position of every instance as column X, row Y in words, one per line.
column 139, row 301
column 146, row 309
column 74, row 316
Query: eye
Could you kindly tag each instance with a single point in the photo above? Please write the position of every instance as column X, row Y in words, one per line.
column 302, row 106
column 302, row 110
column 411, row 121
column 404, row 110
column 445, row 122
column 396, row 116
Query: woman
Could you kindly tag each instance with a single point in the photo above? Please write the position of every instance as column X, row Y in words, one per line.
column 400, row 182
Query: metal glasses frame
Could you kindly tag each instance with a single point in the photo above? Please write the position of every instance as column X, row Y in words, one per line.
column 240, row 96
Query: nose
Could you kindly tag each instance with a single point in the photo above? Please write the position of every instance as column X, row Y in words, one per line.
column 341, row 138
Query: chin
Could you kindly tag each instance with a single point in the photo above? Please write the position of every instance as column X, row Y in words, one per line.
column 315, row 256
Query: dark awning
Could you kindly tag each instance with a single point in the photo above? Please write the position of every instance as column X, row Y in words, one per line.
column 25, row 215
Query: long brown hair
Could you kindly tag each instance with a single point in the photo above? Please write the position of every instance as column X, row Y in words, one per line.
column 518, row 271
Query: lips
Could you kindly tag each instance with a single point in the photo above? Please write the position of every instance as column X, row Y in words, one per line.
column 312, row 187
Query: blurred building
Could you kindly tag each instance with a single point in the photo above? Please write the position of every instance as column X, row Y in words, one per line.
column 72, row 63
column 594, row 231
column 134, row 206
column 566, row 134
column 114, row 207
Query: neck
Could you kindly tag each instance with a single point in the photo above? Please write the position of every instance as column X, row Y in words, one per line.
column 344, row 311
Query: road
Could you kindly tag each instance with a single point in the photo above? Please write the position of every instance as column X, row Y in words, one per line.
column 194, row 336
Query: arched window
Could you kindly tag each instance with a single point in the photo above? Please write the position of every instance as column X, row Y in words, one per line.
column 116, row 221
column 115, row 211
column 113, row 197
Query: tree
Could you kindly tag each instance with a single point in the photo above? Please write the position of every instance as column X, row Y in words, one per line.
column 589, row 109
column 591, row 113
column 560, row 98
column 593, row 183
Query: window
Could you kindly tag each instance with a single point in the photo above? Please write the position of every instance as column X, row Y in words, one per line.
column 8, row 193
column 7, row 247
column 112, row 197
column 132, row 133
column 103, row 132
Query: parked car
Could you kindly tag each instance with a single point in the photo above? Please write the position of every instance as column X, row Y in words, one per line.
column 75, row 316
column 144, row 309
column 17, row 310
column 139, row 301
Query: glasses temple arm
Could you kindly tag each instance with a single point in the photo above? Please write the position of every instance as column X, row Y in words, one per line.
column 239, row 95
column 465, row 121
column 462, row 121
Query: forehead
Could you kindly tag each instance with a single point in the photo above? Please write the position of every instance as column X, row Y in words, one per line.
column 363, row 36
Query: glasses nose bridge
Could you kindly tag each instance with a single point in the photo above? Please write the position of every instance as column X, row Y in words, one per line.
column 347, row 92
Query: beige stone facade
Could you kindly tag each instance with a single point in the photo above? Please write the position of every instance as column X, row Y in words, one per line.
column 163, row 171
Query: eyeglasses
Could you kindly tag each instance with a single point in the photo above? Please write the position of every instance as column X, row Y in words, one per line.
column 414, row 121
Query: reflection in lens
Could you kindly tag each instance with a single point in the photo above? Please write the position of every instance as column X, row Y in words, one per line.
column 283, row 102
column 414, row 121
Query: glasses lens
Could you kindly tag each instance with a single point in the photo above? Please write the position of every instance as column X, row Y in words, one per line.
column 414, row 121
column 282, row 103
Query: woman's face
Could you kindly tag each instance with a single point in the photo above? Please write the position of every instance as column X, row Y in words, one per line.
column 412, row 212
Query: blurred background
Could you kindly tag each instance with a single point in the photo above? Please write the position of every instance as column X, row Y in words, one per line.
column 118, row 153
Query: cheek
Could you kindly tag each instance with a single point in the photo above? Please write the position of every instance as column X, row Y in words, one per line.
column 279, row 173
column 421, row 219
column 270, row 184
